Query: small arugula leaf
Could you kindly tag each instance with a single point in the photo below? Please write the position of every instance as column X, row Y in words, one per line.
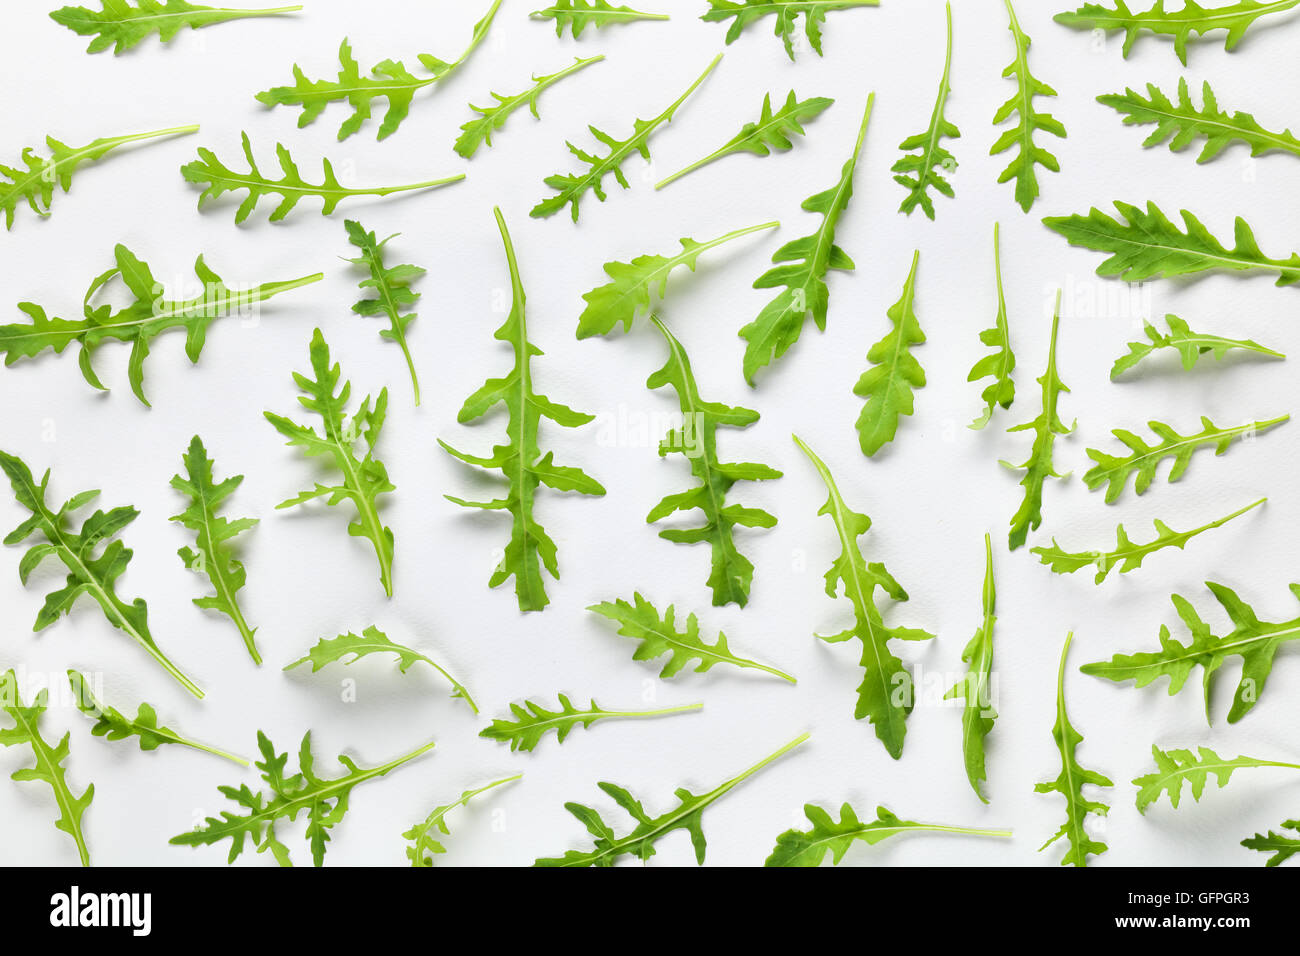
column 112, row 724
column 213, row 533
column 87, row 573
column 800, row 271
column 532, row 721
column 425, row 836
column 120, row 25
column 324, row 801
column 1176, row 767
column 49, row 759
column 1114, row 471
column 748, row 11
column 640, row 843
column 917, row 173
column 888, row 386
column 36, row 182
column 1071, row 782
column 1189, row 345
column 773, row 132
column 1028, row 122
column 1282, row 847
column 521, row 460
column 1256, row 642
column 478, row 131
column 364, row 478
column 217, row 178
column 1127, row 555
column 392, row 285
column 1038, row 467
column 1001, row 363
column 1148, row 246
column 571, row 187
column 886, row 695
column 809, row 847
column 577, row 15
column 978, row 715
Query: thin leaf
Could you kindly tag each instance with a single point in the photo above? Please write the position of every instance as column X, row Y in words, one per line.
column 121, row 25
column 1189, row 345
column 393, row 294
column 786, row 11
column 1028, row 122
column 1176, row 767
column 888, row 386
column 532, row 721
column 1282, row 847
column 1000, row 364
column 918, row 173
column 424, row 836
column 577, row 15
column 978, row 715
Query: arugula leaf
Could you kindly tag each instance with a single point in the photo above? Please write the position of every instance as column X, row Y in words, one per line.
column 917, row 173
column 1071, row 782
column 350, row 648
column 363, row 478
column 801, row 267
column 577, row 15
column 1128, row 555
column 147, row 317
column 659, row 634
column 478, row 131
column 1028, row 121
column 87, row 574
column 1189, row 345
column 1254, row 641
column 1038, row 467
column 390, row 80
column 809, row 847
column 748, row 11
column 533, row 721
column 571, row 187
column 1180, row 24
column 978, row 715
column 885, row 696
column 530, row 547
column 35, row 184
column 1282, row 847
column 120, row 25
column 217, row 178
column 214, row 555
column 424, row 836
column 687, row 815
column 888, row 385
column 49, row 760
column 1000, row 364
column 1113, row 471
column 324, row 801
column 1176, row 767
column 1149, row 246
column 112, row 724
column 1183, row 122
column 392, row 285
column 772, row 133
column 731, row 572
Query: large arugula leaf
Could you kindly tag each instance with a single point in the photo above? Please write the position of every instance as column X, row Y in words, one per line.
column 800, row 271
column 76, row 549
column 1256, row 642
column 1281, row 846
column 121, row 25
column 1001, row 363
column 731, row 573
column 577, row 15
column 363, row 478
column 1028, row 121
column 640, row 842
column 1071, row 781
column 1189, row 345
column 886, row 695
column 324, row 801
column 978, row 714
column 521, row 460
column 786, row 11
column 425, row 838
column 1176, row 767
column 478, row 131
column 533, row 721
column 888, row 386
column 393, row 294
column 926, row 168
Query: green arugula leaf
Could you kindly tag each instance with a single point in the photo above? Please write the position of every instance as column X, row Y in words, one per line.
column 533, row 721
column 1176, row 767
column 521, row 461
column 886, row 695
column 978, row 715
column 748, row 11
column 687, row 815
column 1189, row 345
column 36, row 182
column 392, row 285
column 917, row 173
column 87, row 574
column 1254, row 641
column 577, row 15
column 1071, row 782
column 571, row 187
column 120, row 25
column 1000, row 364
column 1282, row 847
column 49, row 759
column 478, row 131
column 773, row 132
column 1028, row 122
column 325, row 803
column 660, row 634
column 363, row 478
column 424, row 836
column 800, row 272
column 888, row 385
column 1114, row 471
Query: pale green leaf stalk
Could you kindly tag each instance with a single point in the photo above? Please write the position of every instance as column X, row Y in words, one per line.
column 393, row 293
column 1028, row 122
column 1001, row 363
column 889, row 385
column 426, row 836
column 121, row 25
column 786, row 11
column 1282, row 847
column 533, row 721
column 1189, row 345
column 976, row 687
column 1176, row 767
column 577, row 15
column 918, row 172
column 478, row 131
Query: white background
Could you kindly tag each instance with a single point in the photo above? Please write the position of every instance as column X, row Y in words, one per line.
column 932, row 494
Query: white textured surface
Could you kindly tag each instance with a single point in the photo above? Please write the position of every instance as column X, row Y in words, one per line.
column 932, row 494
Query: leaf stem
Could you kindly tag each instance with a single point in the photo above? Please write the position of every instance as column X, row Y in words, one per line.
column 212, row 750
column 653, row 713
